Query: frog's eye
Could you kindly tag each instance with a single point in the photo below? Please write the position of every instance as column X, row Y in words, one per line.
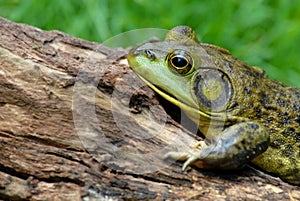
column 180, row 62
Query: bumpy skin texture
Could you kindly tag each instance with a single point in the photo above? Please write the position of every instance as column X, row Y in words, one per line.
column 245, row 115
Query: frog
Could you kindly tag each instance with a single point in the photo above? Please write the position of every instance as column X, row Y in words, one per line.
column 246, row 117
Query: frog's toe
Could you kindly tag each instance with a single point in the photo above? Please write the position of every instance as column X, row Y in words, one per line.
column 180, row 156
column 190, row 160
column 200, row 145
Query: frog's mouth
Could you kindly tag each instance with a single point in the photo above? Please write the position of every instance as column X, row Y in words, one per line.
column 194, row 112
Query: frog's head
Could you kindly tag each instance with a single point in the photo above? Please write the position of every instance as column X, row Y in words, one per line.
column 181, row 70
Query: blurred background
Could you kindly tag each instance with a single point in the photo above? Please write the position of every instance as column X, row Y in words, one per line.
column 264, row 33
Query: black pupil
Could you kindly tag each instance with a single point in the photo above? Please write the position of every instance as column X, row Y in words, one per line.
column 179, row 61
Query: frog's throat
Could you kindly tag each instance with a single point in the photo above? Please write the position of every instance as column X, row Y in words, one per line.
column 185, row 107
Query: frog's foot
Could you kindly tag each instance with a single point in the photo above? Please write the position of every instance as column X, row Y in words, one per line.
column 189, row 156
column 237, row 145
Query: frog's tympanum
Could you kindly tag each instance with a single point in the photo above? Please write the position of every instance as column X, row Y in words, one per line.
column 245, row 116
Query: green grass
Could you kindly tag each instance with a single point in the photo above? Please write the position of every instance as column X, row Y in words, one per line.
column 264, row 33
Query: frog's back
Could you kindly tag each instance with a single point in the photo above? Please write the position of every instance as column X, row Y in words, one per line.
column 270, row 103
column 279, row 112
column 277, row 107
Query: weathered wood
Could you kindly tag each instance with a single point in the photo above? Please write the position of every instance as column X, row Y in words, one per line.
column 77, row 124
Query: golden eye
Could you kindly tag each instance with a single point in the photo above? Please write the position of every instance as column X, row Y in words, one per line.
column 180, row 62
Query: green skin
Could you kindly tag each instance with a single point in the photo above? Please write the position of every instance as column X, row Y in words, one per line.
column 245, row 116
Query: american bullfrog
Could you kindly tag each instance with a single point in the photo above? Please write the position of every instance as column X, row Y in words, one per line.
column 244, row 115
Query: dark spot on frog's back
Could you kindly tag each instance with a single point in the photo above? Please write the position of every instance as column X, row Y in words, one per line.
column 258, row 112
column 278, row 142
column 249, row 71
column 264, row 99
column 281, row 102
column 284, row 119
column 296, row 107
column 297, row 119
column 288, row 150
column 297, row 137
column 247, row 90
column 255, row 84
column 269, row 120
column 291, row 133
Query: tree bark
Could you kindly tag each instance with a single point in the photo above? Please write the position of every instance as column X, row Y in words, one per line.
column 77, row 124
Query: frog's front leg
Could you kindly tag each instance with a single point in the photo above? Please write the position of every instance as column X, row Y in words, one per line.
column 233, row 148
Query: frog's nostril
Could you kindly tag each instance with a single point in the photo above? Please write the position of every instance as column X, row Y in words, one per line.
column 135, row 51
column 150, row 54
